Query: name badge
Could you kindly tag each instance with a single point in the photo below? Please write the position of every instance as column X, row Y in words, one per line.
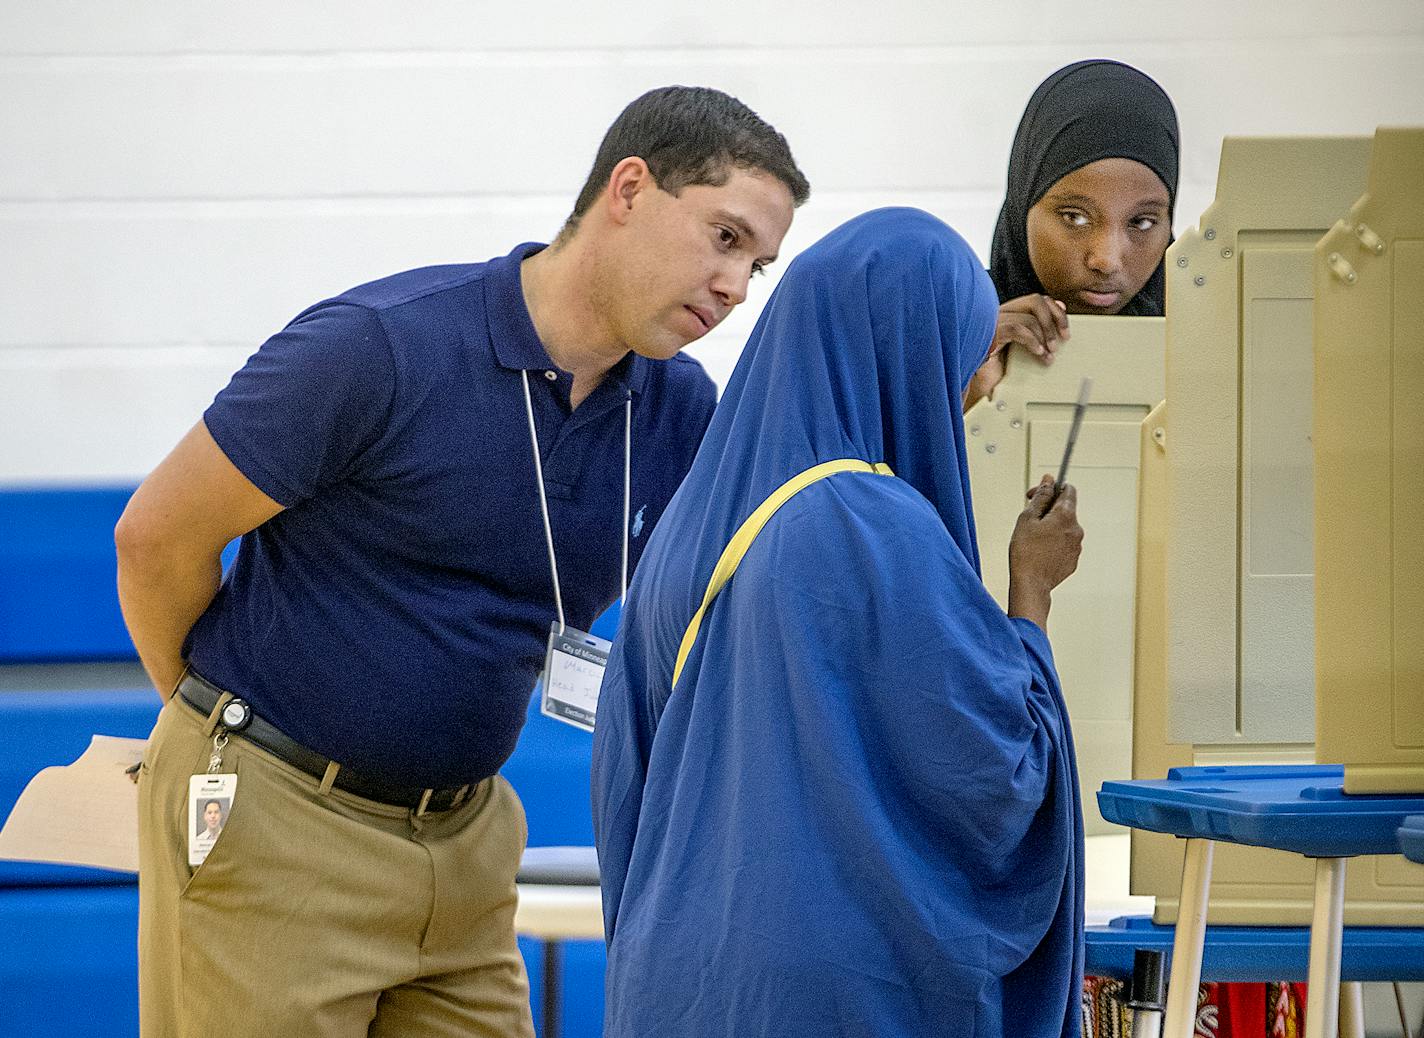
column 209, row 801
column 573, row 672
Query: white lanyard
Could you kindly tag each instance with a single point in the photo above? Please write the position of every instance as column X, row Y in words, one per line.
column 544, row 501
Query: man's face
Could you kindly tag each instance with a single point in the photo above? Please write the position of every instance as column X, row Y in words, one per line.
column 212, row 816
column 1098, row 234
column 686, row 259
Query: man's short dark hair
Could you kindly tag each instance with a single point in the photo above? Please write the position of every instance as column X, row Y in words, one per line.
column 687, row 136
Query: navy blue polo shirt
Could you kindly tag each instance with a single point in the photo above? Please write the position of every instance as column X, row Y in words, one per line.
column 394, row 617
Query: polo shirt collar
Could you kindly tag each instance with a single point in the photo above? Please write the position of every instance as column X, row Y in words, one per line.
column 516, row 344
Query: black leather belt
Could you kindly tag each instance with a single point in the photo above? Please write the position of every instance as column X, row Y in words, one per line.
column 202, row 696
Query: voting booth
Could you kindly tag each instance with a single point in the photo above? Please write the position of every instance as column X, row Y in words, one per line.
column 1233, row 502
column 1013, row 440
column 1369, row 460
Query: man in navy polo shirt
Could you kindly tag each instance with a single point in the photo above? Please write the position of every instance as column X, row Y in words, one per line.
column 362, row 673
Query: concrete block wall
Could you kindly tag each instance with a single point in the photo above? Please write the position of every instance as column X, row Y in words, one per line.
column 179, row 179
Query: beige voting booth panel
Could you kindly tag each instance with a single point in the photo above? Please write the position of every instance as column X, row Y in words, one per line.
column 1017, row 437
column 1153, row 855
column 1240, row 289
column 1369, row 478
column 1157, row 858
column 1249, row 884
column 1225, row 651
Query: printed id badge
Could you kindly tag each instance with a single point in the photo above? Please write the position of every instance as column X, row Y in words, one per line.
column 573, row 671
column 209, row 801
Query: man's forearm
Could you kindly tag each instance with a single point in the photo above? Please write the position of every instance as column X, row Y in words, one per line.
column 170, row 541
column 162, row 594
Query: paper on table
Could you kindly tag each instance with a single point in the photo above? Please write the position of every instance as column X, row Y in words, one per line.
column 85, row 813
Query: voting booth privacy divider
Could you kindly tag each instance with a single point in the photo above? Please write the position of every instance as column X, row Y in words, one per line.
column 1369, row 470
column 1276, row 566
column 1014, row 439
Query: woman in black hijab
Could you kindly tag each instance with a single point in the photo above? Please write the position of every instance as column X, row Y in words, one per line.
column 1088, row 213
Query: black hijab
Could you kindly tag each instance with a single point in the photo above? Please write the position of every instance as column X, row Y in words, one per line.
column 1087, row 111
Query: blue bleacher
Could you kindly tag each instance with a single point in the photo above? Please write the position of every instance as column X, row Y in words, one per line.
column 69, row 965
column 57, row 597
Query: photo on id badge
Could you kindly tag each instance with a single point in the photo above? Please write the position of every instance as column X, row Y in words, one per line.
column 209, row 802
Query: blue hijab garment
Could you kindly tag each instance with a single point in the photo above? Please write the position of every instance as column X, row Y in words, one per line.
column 856, row 812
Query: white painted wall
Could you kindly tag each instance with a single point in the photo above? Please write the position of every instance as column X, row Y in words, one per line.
column 178, row 179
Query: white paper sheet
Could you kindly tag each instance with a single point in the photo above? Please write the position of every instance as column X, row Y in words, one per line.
column 85, row 813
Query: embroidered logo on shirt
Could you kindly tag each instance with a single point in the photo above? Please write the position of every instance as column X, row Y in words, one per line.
column 638, row 521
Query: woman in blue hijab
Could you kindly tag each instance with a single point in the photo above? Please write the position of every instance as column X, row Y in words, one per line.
column 833, row 783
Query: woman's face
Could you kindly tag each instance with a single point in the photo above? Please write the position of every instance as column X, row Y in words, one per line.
column 1097, row 235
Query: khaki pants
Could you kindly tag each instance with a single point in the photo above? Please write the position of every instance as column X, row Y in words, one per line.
column 320, row 915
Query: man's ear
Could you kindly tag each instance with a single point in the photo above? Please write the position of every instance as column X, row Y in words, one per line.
column 630, row 178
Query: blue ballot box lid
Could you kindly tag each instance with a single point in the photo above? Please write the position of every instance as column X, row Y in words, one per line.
column 1299, row 808
column 1411, row 838
column 1259, row 953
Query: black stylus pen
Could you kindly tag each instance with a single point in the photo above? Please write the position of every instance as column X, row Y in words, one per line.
column 1084, row 391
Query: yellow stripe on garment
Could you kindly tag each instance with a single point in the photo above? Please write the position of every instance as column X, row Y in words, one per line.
column 747, row 532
